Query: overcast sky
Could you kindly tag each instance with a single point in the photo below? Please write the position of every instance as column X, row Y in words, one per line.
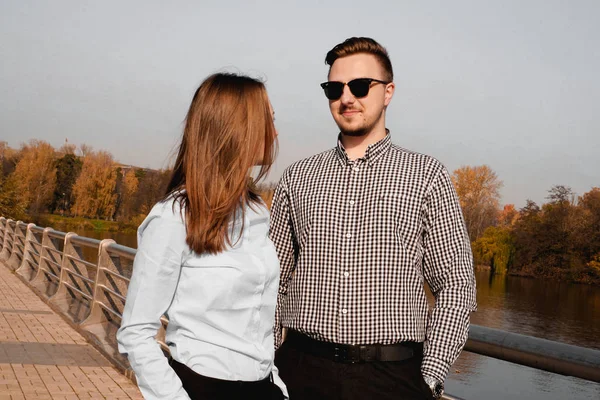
column 511, row 84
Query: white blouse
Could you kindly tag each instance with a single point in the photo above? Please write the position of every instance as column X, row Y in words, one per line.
column 221, row 308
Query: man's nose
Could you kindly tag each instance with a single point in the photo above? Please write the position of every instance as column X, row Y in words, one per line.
column 347, row 96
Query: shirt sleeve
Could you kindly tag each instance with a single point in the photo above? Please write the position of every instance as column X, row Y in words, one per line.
column 156, row 271
column 448, row 269
column 282, row 235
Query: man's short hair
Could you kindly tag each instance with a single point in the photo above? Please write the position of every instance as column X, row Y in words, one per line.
column 356, row 45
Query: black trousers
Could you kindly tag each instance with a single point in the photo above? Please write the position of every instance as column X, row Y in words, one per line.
column 200, row 387
column 309, row 377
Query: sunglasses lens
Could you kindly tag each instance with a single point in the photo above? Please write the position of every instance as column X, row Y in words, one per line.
column 333, row 90
column 359, row 87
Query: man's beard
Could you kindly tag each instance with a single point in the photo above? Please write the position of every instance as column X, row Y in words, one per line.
column 356, row 132
column 364, row 129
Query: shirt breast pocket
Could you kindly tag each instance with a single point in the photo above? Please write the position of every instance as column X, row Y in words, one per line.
column 399, row 216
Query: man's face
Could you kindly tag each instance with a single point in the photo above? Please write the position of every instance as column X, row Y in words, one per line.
column 360, row 116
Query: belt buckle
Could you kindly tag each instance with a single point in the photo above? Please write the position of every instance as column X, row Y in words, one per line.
column 354, row 354
column 345, row 354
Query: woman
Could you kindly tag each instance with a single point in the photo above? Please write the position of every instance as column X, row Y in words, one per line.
column 205, row 260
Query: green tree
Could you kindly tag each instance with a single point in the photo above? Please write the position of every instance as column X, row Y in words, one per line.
column 495, row 248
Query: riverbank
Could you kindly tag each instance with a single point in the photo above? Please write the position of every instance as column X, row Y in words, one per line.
column 588, row 275
column 79, row 224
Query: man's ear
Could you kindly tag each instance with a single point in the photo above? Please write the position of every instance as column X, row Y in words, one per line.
column 390, row 88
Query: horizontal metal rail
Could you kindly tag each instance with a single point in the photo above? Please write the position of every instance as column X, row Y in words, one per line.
column 110, row 310
column 85, row 241
column 119, row 295
column 37, row 229
column 121, row 250
column 51, row 274
column 51, row 261
column 547, row 355
column 82, row 261
column 57, row 234
column 117, row 275
column 87, row 296
column 82, row 277
column 53, row 250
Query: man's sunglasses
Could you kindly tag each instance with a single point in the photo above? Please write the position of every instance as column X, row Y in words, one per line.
column 358, row 87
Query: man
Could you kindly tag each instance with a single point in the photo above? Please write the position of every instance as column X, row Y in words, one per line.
column 358, row 229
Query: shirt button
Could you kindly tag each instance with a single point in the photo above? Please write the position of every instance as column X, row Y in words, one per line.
column 346, row 274
column 344, row 311
column 351, row 202
column 348, row 235
column 355, row 169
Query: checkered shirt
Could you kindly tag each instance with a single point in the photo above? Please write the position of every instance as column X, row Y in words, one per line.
column 357, row 239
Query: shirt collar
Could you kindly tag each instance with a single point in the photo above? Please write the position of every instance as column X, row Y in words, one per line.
column 373, row 153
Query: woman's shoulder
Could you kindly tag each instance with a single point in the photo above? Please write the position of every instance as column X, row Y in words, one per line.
column 167, row 211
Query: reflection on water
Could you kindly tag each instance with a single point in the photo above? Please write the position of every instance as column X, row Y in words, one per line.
column 558, row 311
column 551, row 310
column 126, row 239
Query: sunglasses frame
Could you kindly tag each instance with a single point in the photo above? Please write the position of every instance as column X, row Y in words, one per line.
column 326, row 86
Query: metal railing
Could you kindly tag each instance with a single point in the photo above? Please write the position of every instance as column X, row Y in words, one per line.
column 83, row 279
column 86, row 280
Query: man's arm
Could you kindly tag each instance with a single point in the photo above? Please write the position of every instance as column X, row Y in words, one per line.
column 282, row 235
column 448, row 269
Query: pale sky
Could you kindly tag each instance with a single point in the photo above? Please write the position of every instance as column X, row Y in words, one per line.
column 511, row 84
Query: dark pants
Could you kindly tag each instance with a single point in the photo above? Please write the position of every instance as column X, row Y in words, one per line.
column 200, row 387
column 314, row 378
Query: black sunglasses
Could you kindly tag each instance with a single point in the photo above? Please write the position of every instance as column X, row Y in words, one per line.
column 358, row 87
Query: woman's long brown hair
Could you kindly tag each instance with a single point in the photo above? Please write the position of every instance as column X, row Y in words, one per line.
column 228, row 129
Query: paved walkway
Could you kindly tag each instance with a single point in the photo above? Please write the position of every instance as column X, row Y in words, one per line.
column 42, row 357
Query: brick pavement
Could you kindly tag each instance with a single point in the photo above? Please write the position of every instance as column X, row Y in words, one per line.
column 43, row 357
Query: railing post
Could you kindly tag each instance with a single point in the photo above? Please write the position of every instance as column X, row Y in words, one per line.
column 18, row 246
column 61, row 297
column 96, row 315
column 8, row 240
column 42, row 280
column 2, row 230
column 29, row 265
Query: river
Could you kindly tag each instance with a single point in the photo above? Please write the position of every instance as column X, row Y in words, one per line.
column 551, row 310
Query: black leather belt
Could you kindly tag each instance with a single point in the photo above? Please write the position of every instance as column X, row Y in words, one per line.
column 346, row 353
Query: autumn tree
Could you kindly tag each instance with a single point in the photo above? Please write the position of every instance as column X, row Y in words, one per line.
column 8, row 159
column 68, row 168
column 527, row 232
column 10, row 206
column 508, row 216
column 126, row 189
column 558, row 226
column 85, row 149
column 67, row 148
column 35, row 176
column 94, row 190
column 152, row 185
column 587, row 234
column 478, row 190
